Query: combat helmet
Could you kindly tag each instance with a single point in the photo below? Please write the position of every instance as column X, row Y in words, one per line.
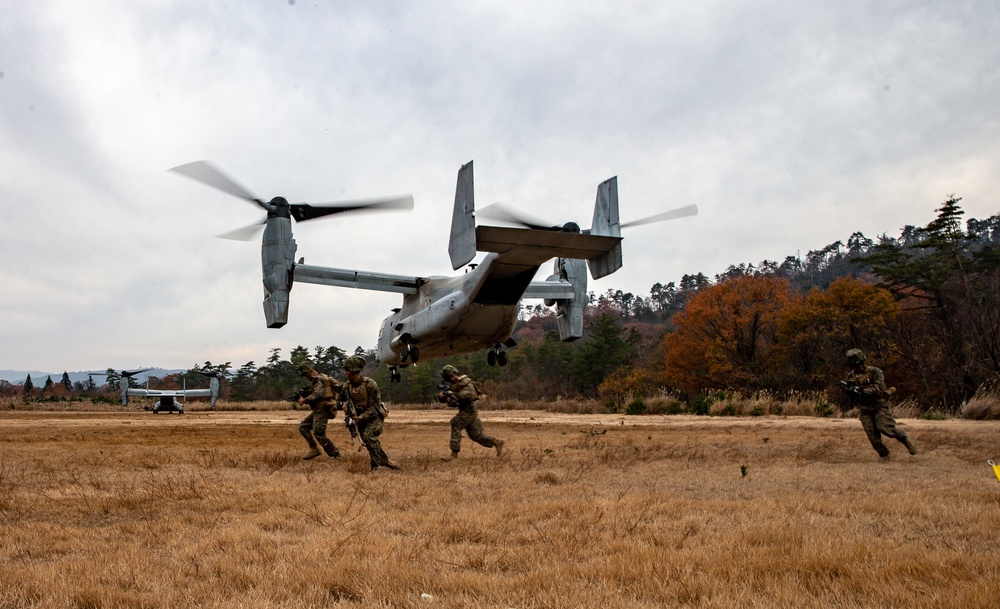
column 448, row 372
column 355, row 363
column 305, row 368
column 855, row 357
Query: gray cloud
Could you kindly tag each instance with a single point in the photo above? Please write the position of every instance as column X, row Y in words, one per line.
column 790, row 125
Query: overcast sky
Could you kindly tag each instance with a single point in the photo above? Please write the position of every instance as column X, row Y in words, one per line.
column 790, row 124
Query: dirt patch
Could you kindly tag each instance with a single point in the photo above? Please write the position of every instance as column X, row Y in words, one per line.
column 14, row 419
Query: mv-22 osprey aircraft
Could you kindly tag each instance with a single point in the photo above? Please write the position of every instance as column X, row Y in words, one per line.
column 443, row 316
column 167, row 398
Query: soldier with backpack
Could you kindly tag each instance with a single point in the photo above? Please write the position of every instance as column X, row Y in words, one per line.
column 321, row 396
column 459, row 391
column 363, row 403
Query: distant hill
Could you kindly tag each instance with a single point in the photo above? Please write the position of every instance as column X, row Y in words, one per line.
column 38, row 377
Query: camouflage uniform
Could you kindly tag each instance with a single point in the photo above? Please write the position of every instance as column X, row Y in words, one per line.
column 367, row 400
column 322, row 399
column 464, row 397
column 869, row 395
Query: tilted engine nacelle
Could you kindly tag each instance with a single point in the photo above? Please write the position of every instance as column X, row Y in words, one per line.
column 277, row 257
column 569, row 313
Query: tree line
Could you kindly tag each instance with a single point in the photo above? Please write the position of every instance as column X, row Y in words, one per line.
column 923, row 306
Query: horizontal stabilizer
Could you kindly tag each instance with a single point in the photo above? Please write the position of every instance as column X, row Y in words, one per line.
column 534, row 247
column 550, row 290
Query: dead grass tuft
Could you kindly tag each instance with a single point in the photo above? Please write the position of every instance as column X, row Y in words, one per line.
column 985, row 404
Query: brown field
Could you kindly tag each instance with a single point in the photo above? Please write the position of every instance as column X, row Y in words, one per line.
column 216, row 509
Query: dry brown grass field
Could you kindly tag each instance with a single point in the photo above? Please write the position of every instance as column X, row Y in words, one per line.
column 103, row 509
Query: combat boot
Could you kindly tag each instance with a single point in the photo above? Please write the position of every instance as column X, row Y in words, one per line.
column 312, row 454
column 498, row 444
column 391, row 465
column 451, row 457
column 910, row 446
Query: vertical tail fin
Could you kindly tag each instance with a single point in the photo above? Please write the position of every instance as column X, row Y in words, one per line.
column 606, row 223
column 462, row 246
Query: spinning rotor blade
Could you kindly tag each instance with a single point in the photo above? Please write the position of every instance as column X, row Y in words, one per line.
column 504, row 213
column 247, row 233
column 212, row 374
column 305, row 211
column 680, row 212
column 128, row 374
column 206, row 173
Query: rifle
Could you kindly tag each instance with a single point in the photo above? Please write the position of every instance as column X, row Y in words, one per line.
column 298, row 395
column 350, row 414
column 854, row 389
column 446, row 395
column 851, row 387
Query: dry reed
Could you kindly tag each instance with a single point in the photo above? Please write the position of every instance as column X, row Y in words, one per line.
column 985, row 404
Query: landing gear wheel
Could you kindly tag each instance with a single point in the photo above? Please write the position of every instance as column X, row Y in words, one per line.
column 502, row 358
column 491, row 357
column 404, row 352
column 414, row 354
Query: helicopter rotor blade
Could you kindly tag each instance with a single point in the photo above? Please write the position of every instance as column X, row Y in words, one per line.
column 212, row 374
column 246, row 233
column 128, row 374
column 680, row 212
column 208, row 174
column 505, row 213
column 306, row 211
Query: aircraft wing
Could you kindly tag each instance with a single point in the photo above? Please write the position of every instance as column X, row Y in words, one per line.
column 362, row 280
column 173, row 393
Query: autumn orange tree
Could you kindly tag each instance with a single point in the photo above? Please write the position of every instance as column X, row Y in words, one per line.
column 727, row 334
column 816, row 331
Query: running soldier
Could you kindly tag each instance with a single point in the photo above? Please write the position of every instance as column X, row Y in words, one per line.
column 363, row 402
column 460, row 392
column 321, row 396
column 865, row 387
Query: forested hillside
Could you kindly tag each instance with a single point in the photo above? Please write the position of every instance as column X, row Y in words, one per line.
column 923, row 305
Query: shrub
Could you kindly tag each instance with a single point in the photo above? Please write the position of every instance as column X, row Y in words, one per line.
column 700, row 404
column 636, row 406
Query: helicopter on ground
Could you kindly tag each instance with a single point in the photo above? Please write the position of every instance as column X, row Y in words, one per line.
column 444, row 316
column 167, row 399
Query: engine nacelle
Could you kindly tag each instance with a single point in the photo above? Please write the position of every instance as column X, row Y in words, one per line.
column 277, row 257
column 569, row 313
